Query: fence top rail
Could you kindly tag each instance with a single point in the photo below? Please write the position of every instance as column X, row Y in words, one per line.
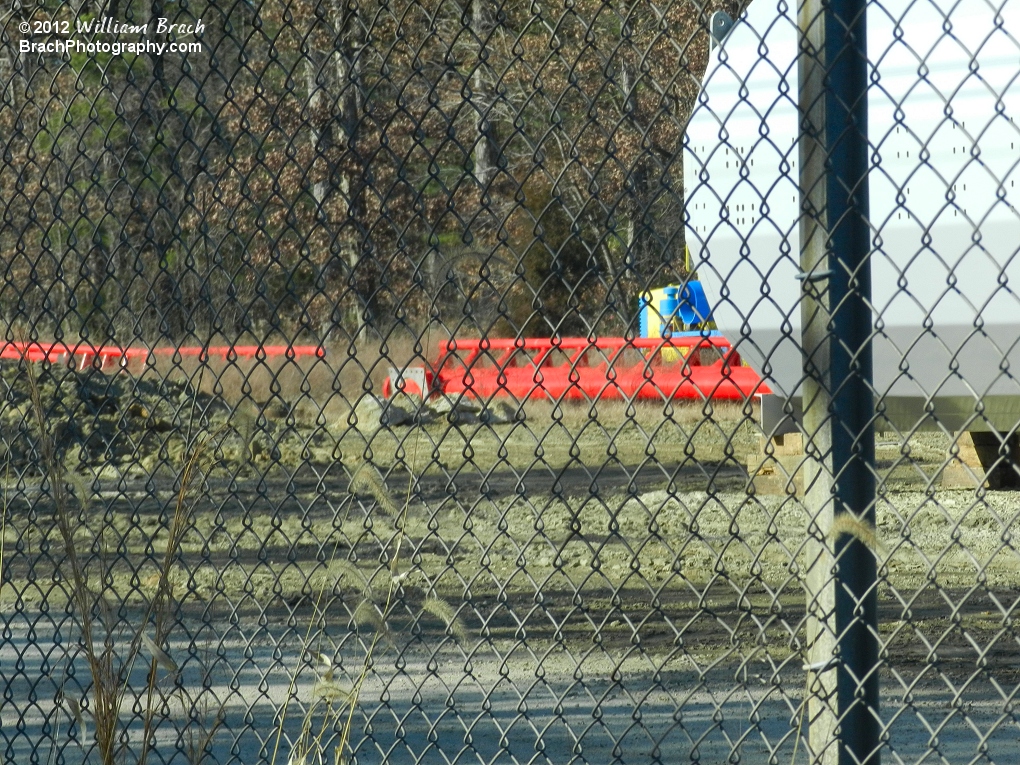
column 55, row 350
column 468, row 349
column 676, row 340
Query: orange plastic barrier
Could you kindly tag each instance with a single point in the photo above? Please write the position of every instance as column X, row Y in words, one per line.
column 84, row 354
column 681, row 367
column 108, row 358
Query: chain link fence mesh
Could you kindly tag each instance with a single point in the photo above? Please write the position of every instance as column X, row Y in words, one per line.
column 346, row 417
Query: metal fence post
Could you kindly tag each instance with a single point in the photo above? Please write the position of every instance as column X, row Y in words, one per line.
column 838, row 398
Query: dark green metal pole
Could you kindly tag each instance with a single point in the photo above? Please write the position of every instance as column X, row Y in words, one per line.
column 834, row 85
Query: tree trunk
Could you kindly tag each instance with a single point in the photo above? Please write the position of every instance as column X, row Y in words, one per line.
column 334, row 138
column 481, row 93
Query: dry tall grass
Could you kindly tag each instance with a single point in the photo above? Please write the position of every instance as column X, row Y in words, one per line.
column 84, row 564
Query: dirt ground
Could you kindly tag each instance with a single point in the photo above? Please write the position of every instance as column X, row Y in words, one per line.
column 624, row 544
column 581, row 501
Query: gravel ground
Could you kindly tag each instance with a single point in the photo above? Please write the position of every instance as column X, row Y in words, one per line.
column 613, row 559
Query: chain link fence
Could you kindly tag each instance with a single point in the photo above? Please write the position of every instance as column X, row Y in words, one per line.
column 432, row 382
